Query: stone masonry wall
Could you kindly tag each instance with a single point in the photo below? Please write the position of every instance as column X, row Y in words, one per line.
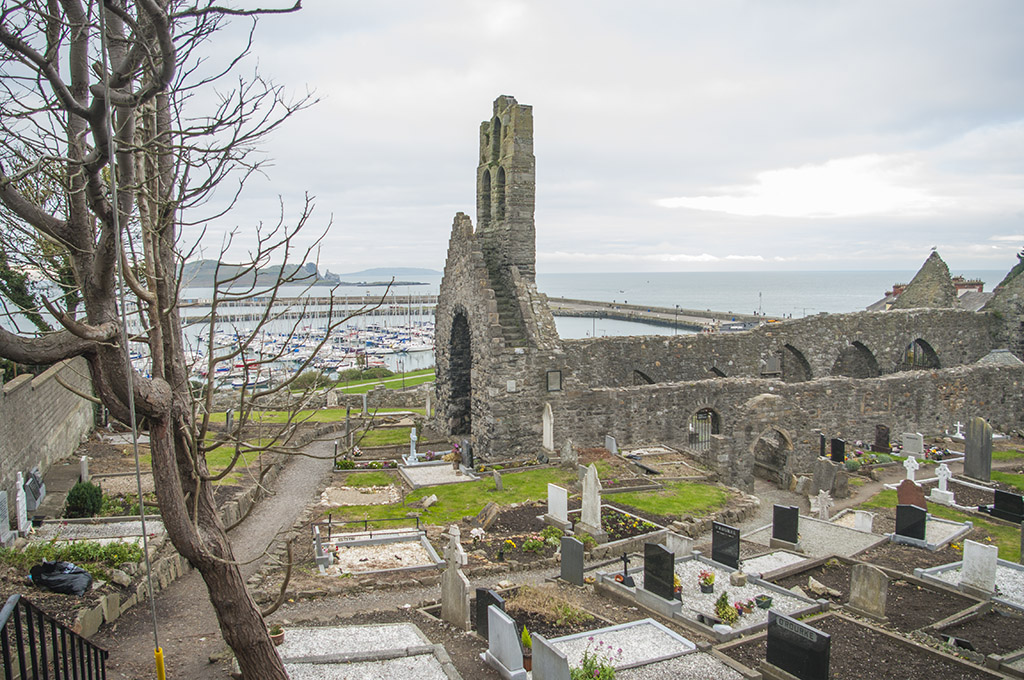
column 41, row 421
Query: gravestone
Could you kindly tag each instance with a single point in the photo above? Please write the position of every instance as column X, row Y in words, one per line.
column 21, row 505
column 659, row 569
column 332, row 399
column 911, row 466
column 590, row 516
column 485, row 597
column 978, row 570
column 678, row 545
column 627, row 580
column 881, row 443
column 725, row 545
column 504, row 653
column 558, row 507
column 466, row 450
column 797, row 648
column 6, row 535
column 572, row 560
column 365, row 411
column 498, row 484
column 959, row 434
column 864, row 521
column 570, row 459
column 838, row 449
column 869, row 587
column 822, row 443
column 427, row 405
column 549, row 662
column 911, row 521
column 1008, row 506
column 786, row 524
column 913, row 444
column 825, row 473
column 978, row 450
column 412, row 442
column 822, row 504
column 941, row 494
column 611, row 444
column 229, row 419
column 323, row 560
column 909, row 493
column 454, row 584
column 35, row 490
column 83, row 469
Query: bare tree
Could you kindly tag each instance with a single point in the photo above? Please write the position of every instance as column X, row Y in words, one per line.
column 98, row 99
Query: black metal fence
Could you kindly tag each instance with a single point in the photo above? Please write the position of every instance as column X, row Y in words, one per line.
column 34, row 645
column 331, row 524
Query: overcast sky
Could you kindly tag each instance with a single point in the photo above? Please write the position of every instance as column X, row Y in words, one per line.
column 669, row 136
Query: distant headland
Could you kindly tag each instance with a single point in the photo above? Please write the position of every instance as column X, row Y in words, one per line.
column 202, row 273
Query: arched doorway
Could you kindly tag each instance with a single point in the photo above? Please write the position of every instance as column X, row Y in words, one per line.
column 771, row 455
column 856, row 361
column 702, row 425
column 918, row 355
column 460, row 360
column 548, row 434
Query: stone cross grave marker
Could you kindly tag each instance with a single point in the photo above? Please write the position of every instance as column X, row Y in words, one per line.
column 549, row 662
column 869, row 587
column 979, row 566
column 1008, row 506
column 412, row 442
column 659, row 569
column 911, row 522
column 627, row 580
column 454, row 584
column 823, row 504
column 864, row 521
column 485, row 597
column 911, row 466
column 786, row 523
column 572, row 560
column 504, row 653
column 6, row 535
column 570, row 459
column 797, row 648
column 913, row 444
column 881, row 443
column 590, row 515
column 558, row 507
column 959, row 434
column 942, row 494
column 725, row 545
column 83, row 469
column 909, row 493
column 323, row 560
column 978, row 450
column 838, row 450
column 611, row 444
column 21, row 505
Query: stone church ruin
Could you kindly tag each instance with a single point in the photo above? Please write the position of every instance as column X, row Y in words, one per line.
column 749, row 402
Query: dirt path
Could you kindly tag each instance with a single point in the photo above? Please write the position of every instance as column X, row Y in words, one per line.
column 188, row 628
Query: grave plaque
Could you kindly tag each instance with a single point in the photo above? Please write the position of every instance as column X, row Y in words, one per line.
column 838, row 448
column 659, row 568
column 797, row 648
column 881, row 443
column 913, row 444
column 485, row 597
column 786, row 523
column 978, row 450
column 725, row 545
column 910, row 521
column 909, row 493
column 572, row 560
column 1008, row 506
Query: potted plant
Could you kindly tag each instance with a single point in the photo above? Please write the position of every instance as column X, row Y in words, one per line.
column 276, row 634
column 527, row 641
column 763, row 601
column 706, row 580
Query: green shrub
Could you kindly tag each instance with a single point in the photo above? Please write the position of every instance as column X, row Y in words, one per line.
column 309, row 379
column 852, row 465
column 84, row 500
column 551, row 531
column 345, row 465
column 883, row 458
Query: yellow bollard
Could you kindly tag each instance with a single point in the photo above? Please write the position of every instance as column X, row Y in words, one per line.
column 160, row 673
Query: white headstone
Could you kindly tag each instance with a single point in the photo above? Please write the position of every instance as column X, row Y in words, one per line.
column 6, row 535
column 427, row 405
column 913, row 444
column 365, row 411
column 323, row 560
column 455, row 588
column 591, row 514
column 864, row 521
column 824, row 504
column 942, row 495
column 21, row 505
column 943, row 473
column 412, row 442
column 503, row 651
column 979, row 566
column 611, row 444
column 83, row 472
column 911, row 466
column 558, row 502
column 959, row 430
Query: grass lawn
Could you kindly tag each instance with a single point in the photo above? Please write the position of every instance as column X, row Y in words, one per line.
column 1007, row 455
column 677, row 499
column 1004, row 536
column 398, row 435
column 374, row 478
column 391, row 383
column 1014, row 480
column 323, row 415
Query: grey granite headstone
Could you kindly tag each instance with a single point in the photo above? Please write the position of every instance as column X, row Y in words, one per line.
column 786, row 523
column 911, row 521
column 978, row 450
column 466, row 450
column 825, row 472
column 498, row 484
column 21, row 506
column 504, row 653
column 1008, row 506
column 725, row 545
column 822, row 443
column 229, row 419
column 323, row 560
column 913, row 444
column 35, row 489
column 659, row 569
column 797, row 648
column 611, row 444
column 549, row 662
column 485, row 597
column 572, row 560
column 570, row 459
column 869, row 587
column 365, row 411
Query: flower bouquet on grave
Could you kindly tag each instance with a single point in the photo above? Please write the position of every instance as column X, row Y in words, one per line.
column 677, row 587
column 706, row 581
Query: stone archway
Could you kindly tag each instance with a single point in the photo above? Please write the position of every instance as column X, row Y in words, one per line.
column 771, row 451
column 856, row 361
column 548, row 428
column 918, row 355
column 460, row 360
column 795, row 367
column 700, row 427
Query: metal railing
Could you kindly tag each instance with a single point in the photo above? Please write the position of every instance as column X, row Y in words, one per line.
column 35, row 645
column 331, row 523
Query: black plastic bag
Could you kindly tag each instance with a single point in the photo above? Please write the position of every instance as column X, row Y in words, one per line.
column 61, row 577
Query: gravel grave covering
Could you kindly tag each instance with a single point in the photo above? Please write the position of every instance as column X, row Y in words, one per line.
column 300, row 642
column 336, row 496
column 938, row 532
column 426, row 475
column 421, row 667
column 355, row 559
column 72, row 531
column 820, row 538
column 117, row 485
column 1009, row 582
column 696, row 666
column 771, row 562
column 623, row 646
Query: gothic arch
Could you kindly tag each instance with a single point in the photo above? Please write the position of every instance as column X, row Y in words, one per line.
column 496, row 140
column 701, row 425
column 856, row 361
column 460, row 359
column 795, row 367
column 485, row 198
column 771, row 451
column 499, row 191
column 918, row 355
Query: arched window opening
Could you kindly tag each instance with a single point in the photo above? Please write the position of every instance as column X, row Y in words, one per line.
column 485, row 199
column 460, row 415
column 856, row 361
column 918, row 356
column 496, row 141
column 702, row 425
column 499, row 189
column 771, row 456
column 795, row 367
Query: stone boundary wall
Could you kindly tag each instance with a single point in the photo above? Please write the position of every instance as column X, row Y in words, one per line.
column 41, row 421
column 379, row 397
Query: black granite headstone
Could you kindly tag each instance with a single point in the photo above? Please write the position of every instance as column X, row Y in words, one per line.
column 821, row 443
column 467, row 456
column 725, row 545
column 797, row 648
column 910, row 521
column 881, row 444
column 1008, row 506
column 485, row 597
column 838, row 450
column 786, row 523
column 659, row 569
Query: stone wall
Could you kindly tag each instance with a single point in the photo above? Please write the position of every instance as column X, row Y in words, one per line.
column 41, row 421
